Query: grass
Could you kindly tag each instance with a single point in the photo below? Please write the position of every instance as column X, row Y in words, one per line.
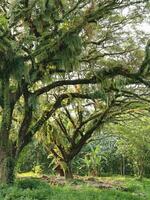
column 34, row 189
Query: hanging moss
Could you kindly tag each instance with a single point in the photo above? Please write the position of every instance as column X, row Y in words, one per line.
column 67, row 56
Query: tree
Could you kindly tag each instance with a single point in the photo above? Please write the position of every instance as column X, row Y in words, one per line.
column 73, row 126
column 46, row 45
column 133, row 142
column 69, row 130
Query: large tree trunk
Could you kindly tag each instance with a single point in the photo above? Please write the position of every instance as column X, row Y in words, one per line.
column 59, row 170
column 68, row 171
column 6, row 159
column 7, row 164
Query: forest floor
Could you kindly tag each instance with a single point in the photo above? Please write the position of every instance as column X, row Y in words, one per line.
column 32, row 187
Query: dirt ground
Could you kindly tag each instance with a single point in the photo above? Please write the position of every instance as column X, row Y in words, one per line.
column 79, row 181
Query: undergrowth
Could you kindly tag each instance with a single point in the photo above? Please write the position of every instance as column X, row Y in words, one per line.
column 35, row 189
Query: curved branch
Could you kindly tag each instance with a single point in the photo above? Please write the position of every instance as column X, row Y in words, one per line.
column 97, row 78
column 46, row 115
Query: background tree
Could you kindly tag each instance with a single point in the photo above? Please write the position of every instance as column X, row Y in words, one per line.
column 69, row 130
column 72, row 127
column 133, row 143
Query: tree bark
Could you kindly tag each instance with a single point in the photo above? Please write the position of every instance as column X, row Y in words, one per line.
column 59, row 170
column 7, row 165
column 123, row 166
column 141, row 171
column 68, row 171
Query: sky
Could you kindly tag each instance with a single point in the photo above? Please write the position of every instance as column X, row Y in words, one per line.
column 145, row 27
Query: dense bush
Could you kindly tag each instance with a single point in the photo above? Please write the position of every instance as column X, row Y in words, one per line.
column 26, row 189
column 31, row 184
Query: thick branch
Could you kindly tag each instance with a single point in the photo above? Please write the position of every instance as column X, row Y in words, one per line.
column 96, row 124
column 47, row 114
column 97, row 78
column 63, row 83
column 63, row 129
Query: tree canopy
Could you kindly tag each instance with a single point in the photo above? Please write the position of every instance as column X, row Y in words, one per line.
column 53, row 52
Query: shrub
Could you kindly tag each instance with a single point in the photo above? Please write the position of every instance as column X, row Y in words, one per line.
column 26, row 189
column 31, row 183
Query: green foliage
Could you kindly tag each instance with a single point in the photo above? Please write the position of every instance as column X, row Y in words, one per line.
column 38, row 169
column 33, row 158
column 93, row 159
column 30, row 184
column 26, row 190
column 3, row 23
column 137, row 191
column 67, row 57
column 133, row 142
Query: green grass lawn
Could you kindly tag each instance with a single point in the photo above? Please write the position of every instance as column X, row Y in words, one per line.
column 33, row 189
